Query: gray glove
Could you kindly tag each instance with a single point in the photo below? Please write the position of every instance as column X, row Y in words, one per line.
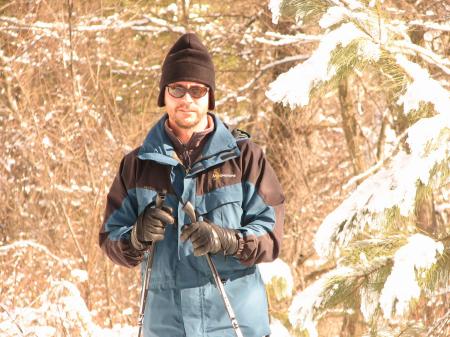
column 150, row 226
column 207, row 238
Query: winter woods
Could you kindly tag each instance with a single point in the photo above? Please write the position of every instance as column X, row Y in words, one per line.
column 350, row 100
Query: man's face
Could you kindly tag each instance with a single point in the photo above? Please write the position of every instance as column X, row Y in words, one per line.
column 186, row 112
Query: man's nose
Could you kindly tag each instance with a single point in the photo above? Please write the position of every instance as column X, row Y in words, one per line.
column 187, row 97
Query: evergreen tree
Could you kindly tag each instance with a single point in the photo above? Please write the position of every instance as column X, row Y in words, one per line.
column 390, row 239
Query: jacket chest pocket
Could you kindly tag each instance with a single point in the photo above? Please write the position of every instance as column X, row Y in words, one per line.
column 222, row 206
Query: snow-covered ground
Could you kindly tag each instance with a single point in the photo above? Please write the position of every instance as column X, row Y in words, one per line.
column 61, row 311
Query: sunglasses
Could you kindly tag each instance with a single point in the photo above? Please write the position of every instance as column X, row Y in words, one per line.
column 179, row 91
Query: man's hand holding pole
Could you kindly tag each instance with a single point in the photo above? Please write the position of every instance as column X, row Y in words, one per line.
column 209, row 238
column 150, row 226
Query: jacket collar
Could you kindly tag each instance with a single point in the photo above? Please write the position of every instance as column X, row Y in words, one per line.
column 220, row 146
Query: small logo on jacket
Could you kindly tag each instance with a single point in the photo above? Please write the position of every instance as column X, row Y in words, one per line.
column 217, row 175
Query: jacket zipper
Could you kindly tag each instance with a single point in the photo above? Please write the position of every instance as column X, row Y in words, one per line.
column 224, row 153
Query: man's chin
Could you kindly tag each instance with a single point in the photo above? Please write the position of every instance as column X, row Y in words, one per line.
column 187, row 123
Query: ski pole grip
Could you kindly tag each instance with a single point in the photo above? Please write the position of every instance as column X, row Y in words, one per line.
column 160, row 197
column 190, row 211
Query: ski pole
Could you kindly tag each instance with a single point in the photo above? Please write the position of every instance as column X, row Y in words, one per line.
column 148, row 269
column 190, row 211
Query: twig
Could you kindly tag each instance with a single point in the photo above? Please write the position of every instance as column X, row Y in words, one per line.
column 12, row 319
column 7, row 5
column 72, row 233
column 440, row 325
column 70, row 11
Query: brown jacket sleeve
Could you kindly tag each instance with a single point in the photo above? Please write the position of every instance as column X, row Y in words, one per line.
column 263, row 205
column 120, row 215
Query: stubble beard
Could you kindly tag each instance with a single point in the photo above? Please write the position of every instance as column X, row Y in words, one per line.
column 188, row 124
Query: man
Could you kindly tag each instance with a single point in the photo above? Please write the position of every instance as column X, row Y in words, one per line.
column 191, row 156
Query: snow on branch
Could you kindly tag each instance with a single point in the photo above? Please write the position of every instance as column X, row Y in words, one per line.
column 423, row 88
column 393, row 186
column 304, row 307
column 166, row 25
column 282, row 39
column 256, row 77
column 293, row 87
column 301, row 311
column 419, row 254
column 424, row 53
column 431, row 25
column 275, row 8
column 26, row 244
column 277, row 328
column 278, row 271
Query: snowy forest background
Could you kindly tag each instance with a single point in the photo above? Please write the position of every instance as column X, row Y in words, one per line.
column 350, row 100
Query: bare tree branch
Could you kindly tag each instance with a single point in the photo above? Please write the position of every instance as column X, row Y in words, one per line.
column 108, row 23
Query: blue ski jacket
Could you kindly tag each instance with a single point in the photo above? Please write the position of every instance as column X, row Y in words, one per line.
column 232, row 185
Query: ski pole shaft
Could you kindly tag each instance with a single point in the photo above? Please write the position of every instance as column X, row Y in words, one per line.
column 148, row 270
column 226, row 301
column 190, row 211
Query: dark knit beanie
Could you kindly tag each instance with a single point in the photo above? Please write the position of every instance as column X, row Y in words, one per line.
column 188, row 60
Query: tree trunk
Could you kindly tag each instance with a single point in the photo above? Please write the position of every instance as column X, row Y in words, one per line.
column 184, row 4
column 351, row 129
column 425, row 211
column 350, row 324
